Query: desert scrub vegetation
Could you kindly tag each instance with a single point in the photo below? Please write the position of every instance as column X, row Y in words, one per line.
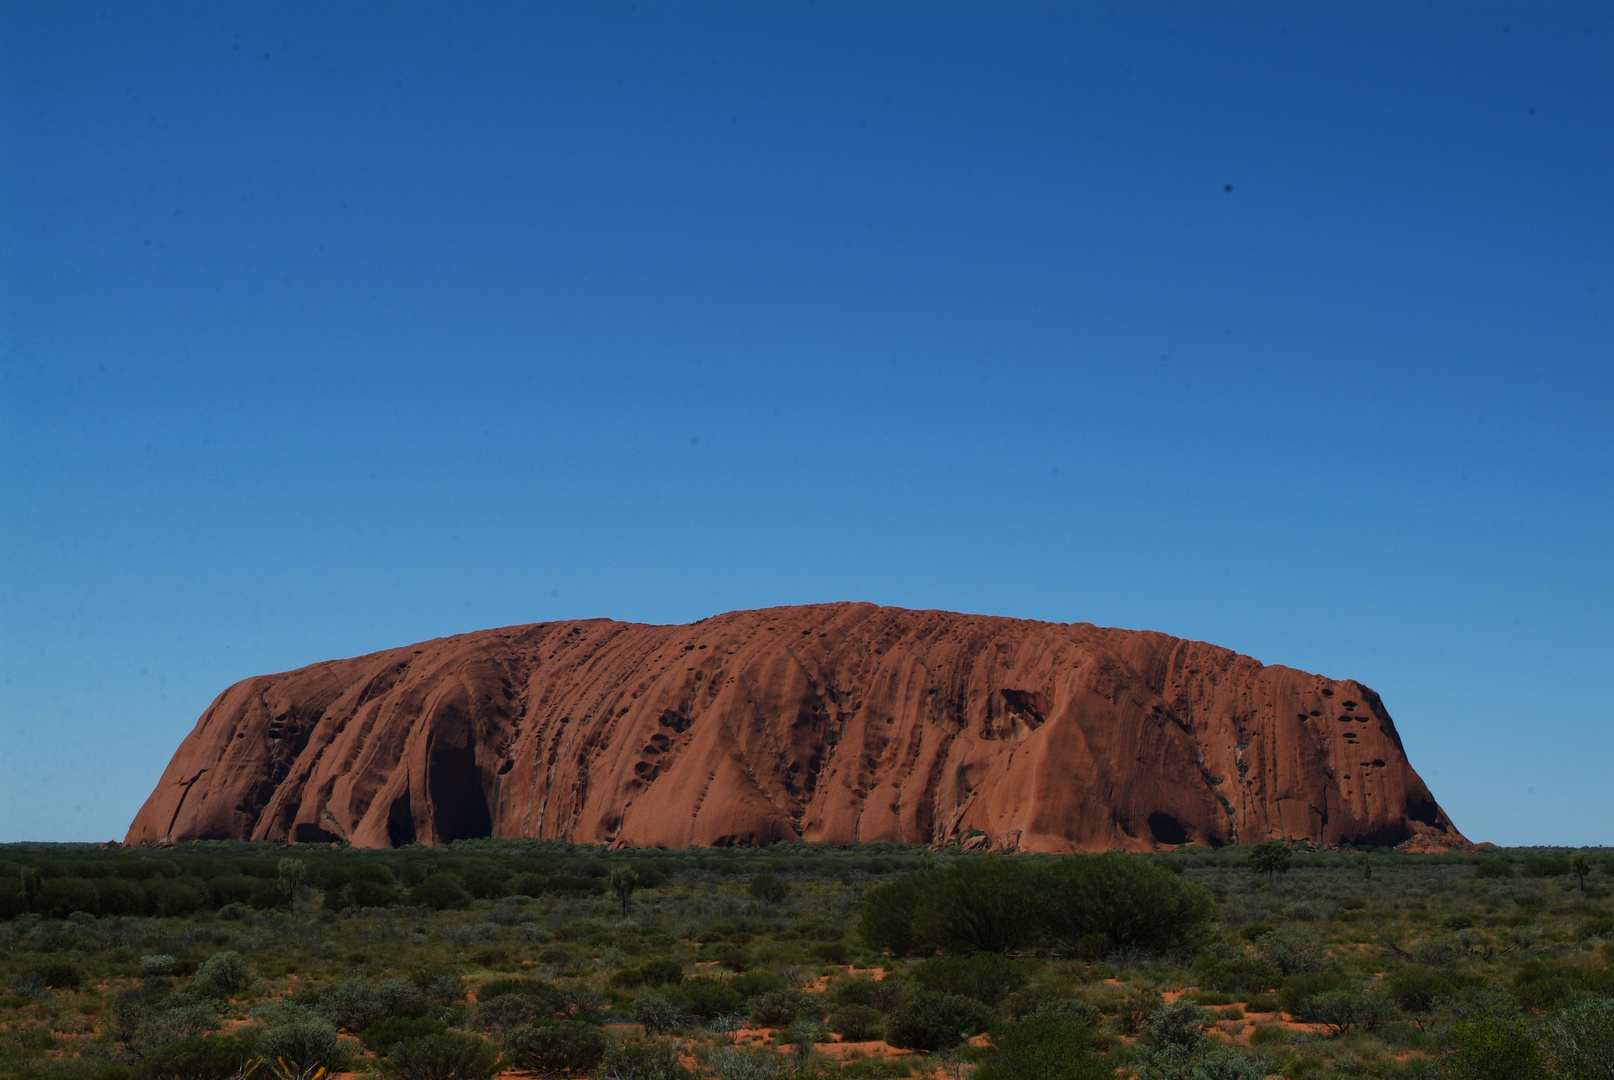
column 217, row 961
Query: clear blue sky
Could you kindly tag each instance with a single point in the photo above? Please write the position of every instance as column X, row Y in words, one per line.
column 326, row 328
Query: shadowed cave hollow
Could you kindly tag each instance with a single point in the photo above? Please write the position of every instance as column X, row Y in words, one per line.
column 459, row 806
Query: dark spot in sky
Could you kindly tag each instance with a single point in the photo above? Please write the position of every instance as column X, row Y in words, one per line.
column 693, row 439
column 266, row 56
column 1227, row 187
column 1532, row 110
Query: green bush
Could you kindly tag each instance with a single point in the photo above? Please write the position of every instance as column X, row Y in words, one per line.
column 1171, row 1047
column 757, row 982
column 985, row 905
column 1491, row 1049
column 646, row 1060
column 547, row 992
column 657, row 1012
column 1130, row 901
column 936, row 1021
column 1298, row 990
column 706, row 998
column 1347, row 1008
column 781, row 1008
column 875, row 1068
column 768, row 888
column 370, row 894
column 1546, row 865
column 442, row 985
column 509, row 1011
column 550, row 1048
column 304, row 1044
column 1269, row 857
column 1580, row 1040
column 449, row 1056
column 56, row 975
column 1296, row 950
column 357, row 1004
column 886, row 920
column 383, row 1036
column 1043, row 1046
column 662, row 972
column 857, row 1023
column 1241, row 975
column 1493, row 867
column 207, row 1057
column 527, row 885
column 732, row 1063
column 883, row 995
column 441, row 892
column 227, row 972
column 1415, row 989
column 986, row 977
column 1539, row 984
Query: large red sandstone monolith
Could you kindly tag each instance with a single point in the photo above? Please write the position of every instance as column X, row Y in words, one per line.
column 833, row 722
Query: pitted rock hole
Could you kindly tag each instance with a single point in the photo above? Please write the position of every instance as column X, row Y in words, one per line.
column 1167, row 829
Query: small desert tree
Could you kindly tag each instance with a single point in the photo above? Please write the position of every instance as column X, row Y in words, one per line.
column 1269, row 857
column 769, row 888
column 1580, row 866
column 622, row 882
column 291, row 873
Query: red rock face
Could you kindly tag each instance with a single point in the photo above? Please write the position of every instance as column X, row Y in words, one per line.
column 834, row 723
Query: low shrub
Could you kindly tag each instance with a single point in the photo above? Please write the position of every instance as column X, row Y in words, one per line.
column 986, row 977
column 1241, row 976
column 1043, row 1046
column 874, row 1068
column 548, row 998
column 382, row 1037
column 549, row 1048
column 781, row 1008
column 662, row 972
column 1492, row 1049
column 509, row 1011
column 649, row 1059
column 706, row 998
column 657, row 1012
column 207, row 1057
column 448, row 1056
column 936, row 1021
column 857, row 1023
column 304, row 1044
column 56, row 975
column 1296, row 950
column 356, row 1004
column 227, row 972
column 441, row 892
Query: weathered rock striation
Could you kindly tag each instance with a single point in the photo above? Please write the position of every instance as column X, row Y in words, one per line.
column 831, row 722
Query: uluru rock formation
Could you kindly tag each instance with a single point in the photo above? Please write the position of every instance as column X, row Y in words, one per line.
column 832, row 722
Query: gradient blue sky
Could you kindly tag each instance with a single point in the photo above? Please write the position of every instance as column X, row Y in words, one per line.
column 331, row 327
